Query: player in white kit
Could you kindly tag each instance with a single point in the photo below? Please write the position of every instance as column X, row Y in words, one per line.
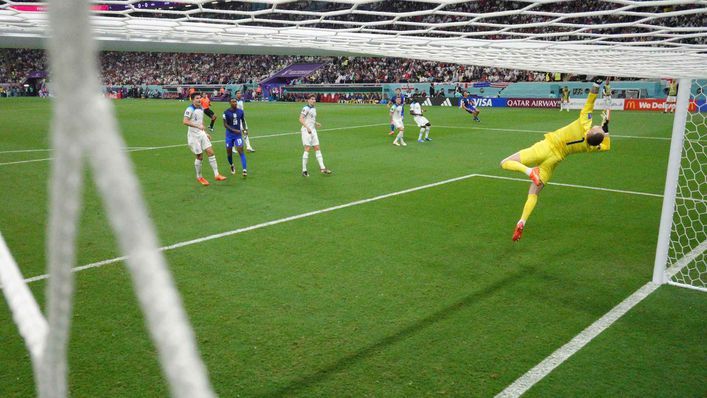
column 396, row 113
column 308, row 120
column 416, row 111
column 246, row 137
column 197, row 139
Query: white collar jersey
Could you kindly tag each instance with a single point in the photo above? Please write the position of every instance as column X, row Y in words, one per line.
column 416, row 109
column 310, row 116
column 239, row 104
column 196, row 116
column 397, row 112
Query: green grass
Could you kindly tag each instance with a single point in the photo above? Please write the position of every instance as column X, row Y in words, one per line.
column 420, row 294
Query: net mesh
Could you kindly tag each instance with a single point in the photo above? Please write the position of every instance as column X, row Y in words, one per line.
column 687, row 255
column 617, row 37
column 89, row 138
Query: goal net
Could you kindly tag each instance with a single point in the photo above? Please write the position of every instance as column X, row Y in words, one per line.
column 654, row 39
column 683, row 261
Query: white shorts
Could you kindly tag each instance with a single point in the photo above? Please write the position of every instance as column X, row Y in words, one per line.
column 309, row 139
column 198, row 143
column 398, row 124
column 421, row 121
column 671, row 98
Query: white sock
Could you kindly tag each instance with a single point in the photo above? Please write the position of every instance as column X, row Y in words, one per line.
column 320, row 159
column 305, row 158
column 528, row 170
column 197, row 166
column 427, row 132
column 399, row 137
column 214, row 166
column 247, row 144
column 422, row 130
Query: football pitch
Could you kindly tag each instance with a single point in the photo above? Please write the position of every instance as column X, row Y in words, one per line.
column 394, row 277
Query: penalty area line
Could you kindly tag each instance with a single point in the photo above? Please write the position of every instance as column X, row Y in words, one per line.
column 560, row 184
column 265, row 224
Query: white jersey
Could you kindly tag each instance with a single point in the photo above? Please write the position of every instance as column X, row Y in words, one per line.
column 416, row 109
column 309, row 113
column 196, row 116
column 239, row 104
column 397, row 112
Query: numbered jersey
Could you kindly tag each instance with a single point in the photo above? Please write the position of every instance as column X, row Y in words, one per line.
column 309, row 113
column 234, row 119
column 416, row 109
column 195, row 116
column 396, row 111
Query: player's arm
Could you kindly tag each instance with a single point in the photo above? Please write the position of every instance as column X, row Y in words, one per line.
column 606, row 143
column 228, row 128
column 188, row 122
column 301, row 121
column 591, row 98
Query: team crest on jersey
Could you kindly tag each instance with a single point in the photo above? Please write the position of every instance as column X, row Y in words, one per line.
column 589, row 116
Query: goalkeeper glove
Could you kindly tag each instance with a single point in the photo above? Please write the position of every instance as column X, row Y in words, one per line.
column 605, row 122
column 598, row 80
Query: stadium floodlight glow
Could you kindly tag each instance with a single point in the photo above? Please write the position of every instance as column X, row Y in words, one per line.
column 619, row 38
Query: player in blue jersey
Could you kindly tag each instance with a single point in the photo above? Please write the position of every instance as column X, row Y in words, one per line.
column 235, row 124
column 467, row 104
column 398, row 94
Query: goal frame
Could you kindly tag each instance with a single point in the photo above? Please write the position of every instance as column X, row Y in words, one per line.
column 662, row 274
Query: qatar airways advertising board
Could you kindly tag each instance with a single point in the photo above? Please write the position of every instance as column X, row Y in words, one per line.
column 533, row 103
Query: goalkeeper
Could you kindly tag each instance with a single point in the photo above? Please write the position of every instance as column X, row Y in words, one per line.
column 539, row 161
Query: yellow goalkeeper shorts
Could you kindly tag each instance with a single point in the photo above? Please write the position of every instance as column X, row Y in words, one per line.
column 542, row 156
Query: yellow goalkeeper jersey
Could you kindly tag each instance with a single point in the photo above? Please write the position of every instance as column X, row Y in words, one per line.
column 572, row 138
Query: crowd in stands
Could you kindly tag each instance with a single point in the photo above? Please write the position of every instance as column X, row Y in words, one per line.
column 135, row 68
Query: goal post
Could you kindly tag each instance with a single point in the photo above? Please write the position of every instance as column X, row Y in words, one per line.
column 682, row 238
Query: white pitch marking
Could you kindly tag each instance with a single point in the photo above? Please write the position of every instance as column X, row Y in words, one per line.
column 537, row 373
column 265, row 224
column 655, row 195
column 152, row 148
column 542, row 131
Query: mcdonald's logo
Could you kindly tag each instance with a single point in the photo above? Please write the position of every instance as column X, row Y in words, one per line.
column 630, row 105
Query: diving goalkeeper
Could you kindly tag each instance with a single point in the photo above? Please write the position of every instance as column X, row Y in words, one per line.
column 539, row 161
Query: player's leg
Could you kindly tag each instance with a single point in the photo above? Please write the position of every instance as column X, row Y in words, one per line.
column 427, row 132
column 521, row 160
column 545, row 170
column 197, row 166
column 528, row 208
column 401, row 135
column 241, row 153
column 229, row 154
column 214, row 165
column 422, row 131
column 213, row 120
column 305, row 159
column 476, row 115
column 318, row 153
column 307, row 143
column 195, row 146
column 246, row 136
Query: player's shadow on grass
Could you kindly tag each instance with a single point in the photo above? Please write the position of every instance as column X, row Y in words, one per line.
column 303, row 382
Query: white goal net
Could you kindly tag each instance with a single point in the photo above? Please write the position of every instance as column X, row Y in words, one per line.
column 651, row 39
column 613, row 37
column 685, row 263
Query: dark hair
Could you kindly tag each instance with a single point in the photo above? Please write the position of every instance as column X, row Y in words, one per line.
column 595, row 139
column 312, row 96
column 194, row 95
